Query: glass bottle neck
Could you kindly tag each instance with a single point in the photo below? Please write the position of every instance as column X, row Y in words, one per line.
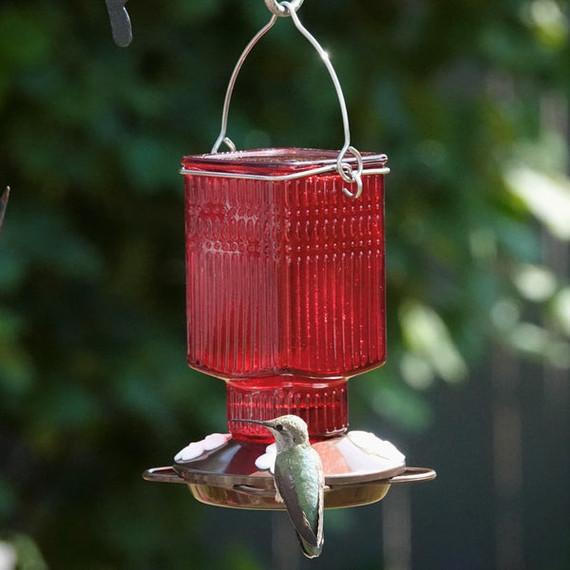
column 322, row 404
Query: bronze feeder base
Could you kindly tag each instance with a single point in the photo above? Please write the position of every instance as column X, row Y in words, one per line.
column 228, row 477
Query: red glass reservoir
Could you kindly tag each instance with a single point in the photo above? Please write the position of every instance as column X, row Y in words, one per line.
column 285, row 282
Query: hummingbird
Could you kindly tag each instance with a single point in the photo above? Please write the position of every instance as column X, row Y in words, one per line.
column 299, row 480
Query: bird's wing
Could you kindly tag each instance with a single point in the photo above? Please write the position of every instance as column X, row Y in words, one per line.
column 295, row 503
column 321, row 504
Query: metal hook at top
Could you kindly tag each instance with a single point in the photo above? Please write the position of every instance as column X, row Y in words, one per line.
column 120, row 22
column 283, row 9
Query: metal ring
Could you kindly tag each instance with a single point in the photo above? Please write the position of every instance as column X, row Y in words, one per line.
column 344, row 168
column 358, row 193
column 229, row 143
column 279, row 9
column 348, row 173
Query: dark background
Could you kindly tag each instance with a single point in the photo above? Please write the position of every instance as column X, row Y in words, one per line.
column 470, row 100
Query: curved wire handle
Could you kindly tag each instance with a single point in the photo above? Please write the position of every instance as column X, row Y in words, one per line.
column 346, row 171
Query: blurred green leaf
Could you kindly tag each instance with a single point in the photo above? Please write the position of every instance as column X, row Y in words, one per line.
column 547, row 197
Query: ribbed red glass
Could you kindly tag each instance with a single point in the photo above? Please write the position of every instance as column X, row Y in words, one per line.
column 285, row 283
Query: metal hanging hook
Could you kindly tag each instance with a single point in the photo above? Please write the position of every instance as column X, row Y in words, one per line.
column 279, row 8
column 344, row 168
column 120, row 22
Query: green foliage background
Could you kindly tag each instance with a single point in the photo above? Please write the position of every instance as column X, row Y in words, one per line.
column 93, row 382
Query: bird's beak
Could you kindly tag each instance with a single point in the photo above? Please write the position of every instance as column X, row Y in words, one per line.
column 264, row 424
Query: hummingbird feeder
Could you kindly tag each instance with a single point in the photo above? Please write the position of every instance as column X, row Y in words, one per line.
column 285, row 297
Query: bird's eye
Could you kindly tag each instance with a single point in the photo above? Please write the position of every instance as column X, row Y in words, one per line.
column 279, row 427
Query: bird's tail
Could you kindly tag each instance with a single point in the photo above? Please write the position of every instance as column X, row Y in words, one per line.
column 309, row 550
